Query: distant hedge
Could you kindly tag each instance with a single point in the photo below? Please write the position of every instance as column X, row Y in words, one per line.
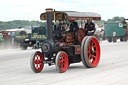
column 18, row 23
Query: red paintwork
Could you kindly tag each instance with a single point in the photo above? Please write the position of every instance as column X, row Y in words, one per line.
column 81, row 34
column 93, row 46
column 5, row 35
column 77, row 50
column 38, row 62
column 70, row 37
column 84, row 18
column 63, row 62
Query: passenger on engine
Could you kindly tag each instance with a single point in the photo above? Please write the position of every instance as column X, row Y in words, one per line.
column 73, row 26
column 60, row 27
column 89, row 28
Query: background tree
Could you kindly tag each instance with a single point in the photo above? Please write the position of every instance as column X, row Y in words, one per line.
column 116, row 18
column 19, row 23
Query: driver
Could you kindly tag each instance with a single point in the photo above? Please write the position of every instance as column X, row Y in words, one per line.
column 89, row 28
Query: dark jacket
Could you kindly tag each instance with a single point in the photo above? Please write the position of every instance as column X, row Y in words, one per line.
column 89, row 27
column 74, row 25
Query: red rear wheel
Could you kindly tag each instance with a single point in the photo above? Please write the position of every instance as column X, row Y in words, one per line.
column 36, row 62
column 61, row 61
column 91, row 52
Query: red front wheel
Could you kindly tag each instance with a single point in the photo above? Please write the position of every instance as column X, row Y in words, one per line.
column 36, row 62
column 61, row 62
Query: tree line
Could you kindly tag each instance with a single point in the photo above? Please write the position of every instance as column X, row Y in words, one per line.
column 18, row 24
column 21, row 23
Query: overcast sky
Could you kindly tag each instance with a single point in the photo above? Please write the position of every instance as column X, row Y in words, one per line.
column 31, row 9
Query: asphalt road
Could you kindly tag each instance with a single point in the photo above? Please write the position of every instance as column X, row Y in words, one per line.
column 112, row 69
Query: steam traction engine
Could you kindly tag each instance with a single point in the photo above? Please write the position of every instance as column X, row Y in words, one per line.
column 65, row 48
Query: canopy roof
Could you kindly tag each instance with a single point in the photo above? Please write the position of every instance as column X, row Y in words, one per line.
column 72, row 15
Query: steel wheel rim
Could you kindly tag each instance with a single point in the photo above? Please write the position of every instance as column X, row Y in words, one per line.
column 93, row 51
column 82, row 51
column 38, row 62
column 63, row 62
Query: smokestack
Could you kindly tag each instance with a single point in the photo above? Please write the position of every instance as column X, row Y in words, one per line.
column 49, row 23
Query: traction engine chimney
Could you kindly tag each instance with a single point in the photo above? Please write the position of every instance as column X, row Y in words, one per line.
column 49, row 23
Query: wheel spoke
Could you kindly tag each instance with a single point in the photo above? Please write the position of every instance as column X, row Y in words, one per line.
column 60, row 61
column 89, row 57
column 90, row 60
column 93, row 46
column 88, row 51
column 93, row 56
column 61, row 66
column 89, row 54
column 62, row 56
column 94, row 51
column 92, row 43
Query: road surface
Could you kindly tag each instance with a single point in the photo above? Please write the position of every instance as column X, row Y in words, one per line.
column 112, row 69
